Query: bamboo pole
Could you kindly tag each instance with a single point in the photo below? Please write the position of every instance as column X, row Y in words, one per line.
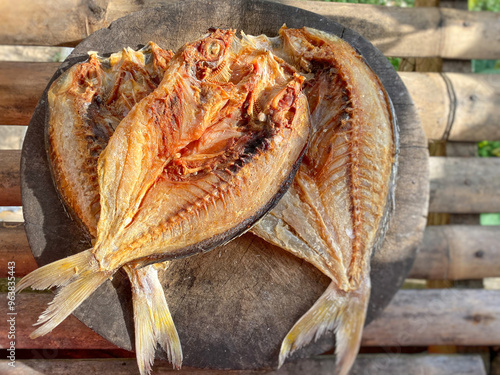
column 456, row 107
column 423, row 32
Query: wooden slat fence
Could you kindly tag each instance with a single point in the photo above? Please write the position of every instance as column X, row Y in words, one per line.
column 458, row 107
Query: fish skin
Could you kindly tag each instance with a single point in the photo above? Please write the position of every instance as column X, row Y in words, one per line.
column 331, row 215
column 87, row 103
column 113, row 86
column 275, row 121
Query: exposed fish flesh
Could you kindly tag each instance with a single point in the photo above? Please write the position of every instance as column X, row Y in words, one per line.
column 332, row 214
column 181, row 173
column 86, row 104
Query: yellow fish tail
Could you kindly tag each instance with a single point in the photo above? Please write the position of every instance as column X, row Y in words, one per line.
column 338, row 311
column 152, row 319
column 78, row 276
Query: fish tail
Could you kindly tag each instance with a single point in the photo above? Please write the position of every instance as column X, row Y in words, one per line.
column 78, row 276
column 152, row 319
column 337, row 310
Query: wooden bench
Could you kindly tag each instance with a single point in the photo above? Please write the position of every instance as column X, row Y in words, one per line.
column 458, row 108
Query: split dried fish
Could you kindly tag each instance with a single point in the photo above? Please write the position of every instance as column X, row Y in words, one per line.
column 181, row 173
column 333, row 215
column 85, row 106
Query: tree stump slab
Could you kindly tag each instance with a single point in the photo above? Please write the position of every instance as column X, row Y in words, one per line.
column 234, row 305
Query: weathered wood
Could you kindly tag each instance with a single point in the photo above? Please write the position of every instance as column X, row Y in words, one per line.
column 413, row 318
column 461, row 149
column 14, row 248
column 382, row 364
column 450, row 252
column 246, row 278
column 438, row 317
column 10, row 192
column 458, row 107
column 455, row 106
column 21, row 85
column 458, row 252
column 464, row 185
column 397, row 31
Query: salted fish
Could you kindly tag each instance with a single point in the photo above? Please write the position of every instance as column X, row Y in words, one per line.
column 333, row 213
column 188, row 156
column 85, row 107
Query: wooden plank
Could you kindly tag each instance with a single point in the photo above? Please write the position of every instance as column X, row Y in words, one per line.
column 381, row 364
column 21, row 85
column 461, row 149
column 458, row 107
column 14, row 248
column 10, row 191
column 413, row 318
column 458, row 252
column 451, row 252
column 438, row 317
column 397, row 31
column 464, row 185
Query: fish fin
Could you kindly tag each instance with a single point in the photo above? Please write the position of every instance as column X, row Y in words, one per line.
column 337, row 310
column 78, row 276
column 152, row 320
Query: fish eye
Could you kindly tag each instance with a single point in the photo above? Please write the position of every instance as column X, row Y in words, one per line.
column 214, row 49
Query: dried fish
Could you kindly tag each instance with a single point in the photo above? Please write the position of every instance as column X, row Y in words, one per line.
column 333, row 214
column 181, row 173
column 85, row 106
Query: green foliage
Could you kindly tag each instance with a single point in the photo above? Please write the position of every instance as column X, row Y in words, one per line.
column 490, row 219
column 489, row 148
column 395, row 61
column 484, row 5
column 486, row 66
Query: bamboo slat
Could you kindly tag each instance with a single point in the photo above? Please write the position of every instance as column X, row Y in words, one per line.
column 426, row 31
column 458, row 252
column 413, row 318
column 438, row 317
column 10, row 191
column 464, row 185
column 21, row 85
column 458, row 185
column 384, row 364
column 448, row 252
column 457, row 107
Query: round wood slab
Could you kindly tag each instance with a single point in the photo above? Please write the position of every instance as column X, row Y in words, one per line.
column 234, row 305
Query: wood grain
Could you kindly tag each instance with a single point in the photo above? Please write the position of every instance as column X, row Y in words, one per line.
column 458, row 252
column 438, row 317
column 448, row 33
column 10, row 191
column 21, row 85
column 456, row 107
column 452, row 252
column 413, row 318
column 383, row 364
column 14, row 248
column 464, row 185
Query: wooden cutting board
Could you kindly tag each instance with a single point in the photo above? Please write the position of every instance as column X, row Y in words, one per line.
column 234, row 305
